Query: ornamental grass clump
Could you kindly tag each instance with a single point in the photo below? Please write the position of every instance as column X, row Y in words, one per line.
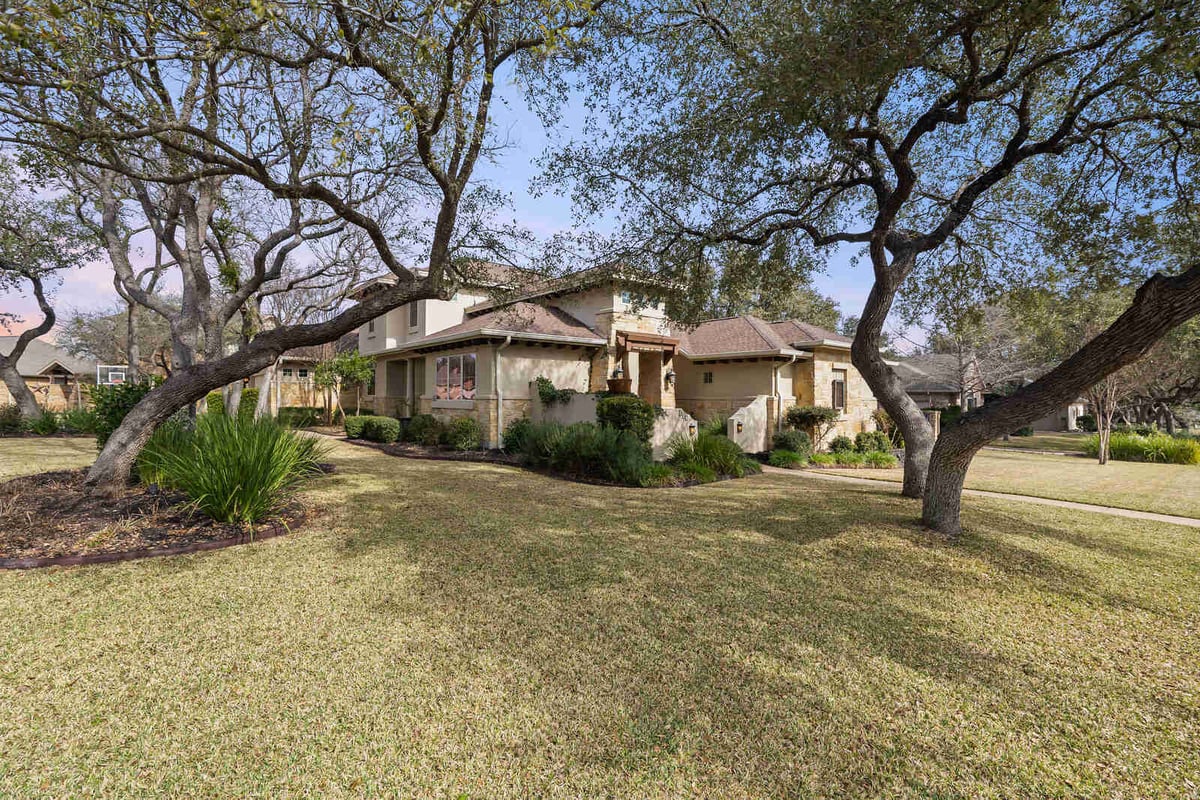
column 1157, row 448
column 716, row 453
column 233, row 469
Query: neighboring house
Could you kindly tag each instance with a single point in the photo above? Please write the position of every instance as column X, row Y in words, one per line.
column 293, row 384
column 55, row 377
column 474, row 355
column 1064, row 419
column 939, row 380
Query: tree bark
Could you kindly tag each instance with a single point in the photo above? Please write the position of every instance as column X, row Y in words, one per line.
column 133, row 353
column 8, row 362
column 19, row 389
column 1161, row 304
column 110, row 473
column 263, row 407
column 889, row 389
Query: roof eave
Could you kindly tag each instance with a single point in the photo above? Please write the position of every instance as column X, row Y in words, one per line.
column 493, row 333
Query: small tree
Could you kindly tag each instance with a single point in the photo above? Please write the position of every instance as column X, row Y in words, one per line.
column 818, row 420
column 344, row 369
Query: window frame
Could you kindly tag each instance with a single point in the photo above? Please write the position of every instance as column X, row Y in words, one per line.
column 838, row 381
column 414, row 316
column 706, row 377
column 467, row 365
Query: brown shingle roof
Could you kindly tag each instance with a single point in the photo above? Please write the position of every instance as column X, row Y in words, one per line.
column 527, row 318
column 748, row 334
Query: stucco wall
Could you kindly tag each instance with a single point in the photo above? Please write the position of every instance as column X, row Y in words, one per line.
column 567, row 368
column 756, row 430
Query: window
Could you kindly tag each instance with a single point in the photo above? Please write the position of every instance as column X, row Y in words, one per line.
column 287, row 372
column 707, row 378
column 839, row 388
column 371, row 326
column 303, row 374
column 414, row 316
column 455, row 377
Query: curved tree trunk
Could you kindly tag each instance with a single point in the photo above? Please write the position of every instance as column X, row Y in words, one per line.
column 1160, row 305
column 19, row 389
column 263, row 407
column 889, row 389
column 110, row 473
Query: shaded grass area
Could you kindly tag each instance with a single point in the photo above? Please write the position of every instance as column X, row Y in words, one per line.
column 30, row 455
column 1061, row 442
column 459, row 629
column 1162, row 488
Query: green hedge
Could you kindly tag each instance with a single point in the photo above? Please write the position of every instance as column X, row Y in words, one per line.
column 381, row 429
column 627, row 412
column 588, row 450
column 516, row 433
column 872, row 441
column 787, row 459
column 464, row 434
column 797, row 442
column 248, row 404
column 112, row 403
column 214, row 403
column 841, row 444
column 353, row 424
column 424, row 429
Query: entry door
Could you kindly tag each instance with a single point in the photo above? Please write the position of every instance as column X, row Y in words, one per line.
column 649, row 376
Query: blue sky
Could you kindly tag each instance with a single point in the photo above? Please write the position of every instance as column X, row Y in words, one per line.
column 514, row 171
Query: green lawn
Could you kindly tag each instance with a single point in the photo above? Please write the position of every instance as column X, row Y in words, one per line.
column 26, row 456
column 1046, row 440
column 1163, row 488
column 451, row 629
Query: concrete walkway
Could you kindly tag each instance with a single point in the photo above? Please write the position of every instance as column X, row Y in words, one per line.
column 1021, row 498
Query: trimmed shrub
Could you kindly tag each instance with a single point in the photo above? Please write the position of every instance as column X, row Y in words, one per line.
column 45, row 425
column 516, row 433
column 600, row 451
column 797, row 442
column 1158, row 448
column 214, row 403
column 381, row 429
column 464, row 434
column 353, row 425
column 78, row 420
column 423, row 429
column 823, row 460
column 112, row 403
column 540, row 443
column 627, row 412
column 1024, row 431
column 718, row 453
column 248, row 404
column 1086, row 423
column 11, row 421
column 788, row 459
column 817, row 420
column 872, row 441
column 234, row 470
column 841, row 444
column 299, row 416
column 951, row 415
column 881, row 460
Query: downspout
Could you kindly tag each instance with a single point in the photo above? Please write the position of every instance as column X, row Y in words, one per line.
column 499, row 392
column 778, row 394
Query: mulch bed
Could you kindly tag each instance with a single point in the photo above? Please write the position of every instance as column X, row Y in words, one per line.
column 49, row 519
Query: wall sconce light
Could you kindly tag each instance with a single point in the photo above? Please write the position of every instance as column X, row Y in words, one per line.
column 739, row 426
column 670, row 377
column 619, row 372
column 692, row 429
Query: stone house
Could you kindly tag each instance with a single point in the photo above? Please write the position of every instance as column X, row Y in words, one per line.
column 55, row 377
column 479, row 353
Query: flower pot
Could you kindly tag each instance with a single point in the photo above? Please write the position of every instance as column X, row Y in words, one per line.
column 620, row 385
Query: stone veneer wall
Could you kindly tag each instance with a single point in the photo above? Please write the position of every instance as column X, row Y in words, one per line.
column 860, row 403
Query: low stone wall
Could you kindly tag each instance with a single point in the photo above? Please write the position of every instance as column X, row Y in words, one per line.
column 754, row 421
column 672, row 422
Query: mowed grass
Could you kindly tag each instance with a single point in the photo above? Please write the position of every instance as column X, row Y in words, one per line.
column 1162, row 488
column 451, row 630
column 30, row 455
column 1058, row 442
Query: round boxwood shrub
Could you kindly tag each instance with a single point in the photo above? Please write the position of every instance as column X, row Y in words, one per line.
column 381, row 429
column 516, row 433
column 353, row 425
column 797, row 442
column 1086, row 423
column 627, row 412
column 112, row 403
column 872, row 442
column 423, row 429
column 464, row 433
column 841, row 444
